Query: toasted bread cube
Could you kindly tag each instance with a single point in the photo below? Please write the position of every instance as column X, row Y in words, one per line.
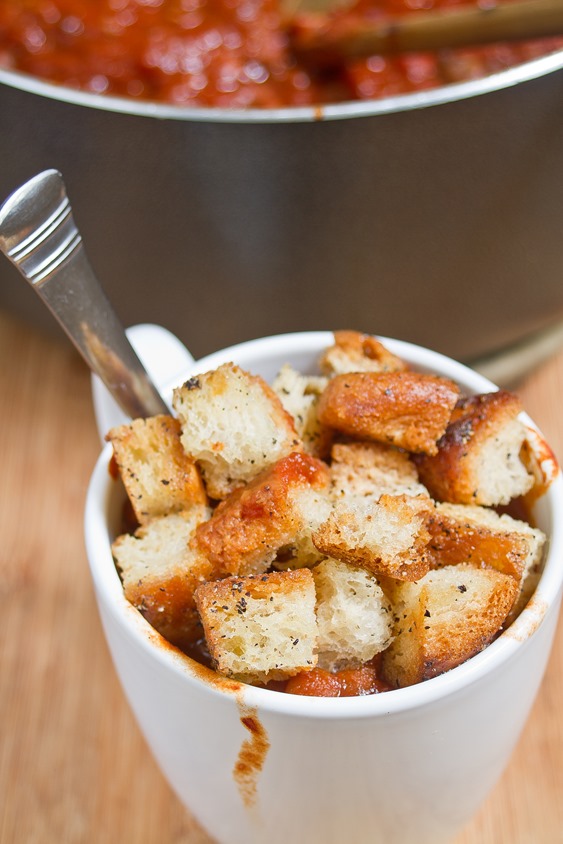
column 353, row 615
column 158, row 475
column 313, row 507
column 234, row 426
column 356, row 352
column 387, row 537
column 461, row 533
column 444, row 619
column 261, row 627
column 160, row 574
column 406, row 409
column 299, row 395
column 482, row 537
column 248, row 528
column 372, row 469
column 479, row 457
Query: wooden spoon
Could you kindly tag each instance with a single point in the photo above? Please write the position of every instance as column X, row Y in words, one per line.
column 321, row 41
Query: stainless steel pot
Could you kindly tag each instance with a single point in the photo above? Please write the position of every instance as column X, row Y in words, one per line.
column 434, row 217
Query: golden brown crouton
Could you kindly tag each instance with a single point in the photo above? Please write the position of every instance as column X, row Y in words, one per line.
column 444, row 619
column 261, row 627
column 461, row 533
column 353, row 615
column 356, row 352
column 372, row 469
column 478, row 459
column 480, row 536
column 299, row 395
column 387, row 537
column 233, row 425
column 160, row 574
column 248, row 528
column 158, row 475
column 407, row 409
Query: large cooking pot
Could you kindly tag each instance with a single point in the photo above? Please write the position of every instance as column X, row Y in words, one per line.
column 436, row 217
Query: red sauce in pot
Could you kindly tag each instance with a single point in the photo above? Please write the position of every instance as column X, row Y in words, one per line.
column 202, row 52
column 218, row 53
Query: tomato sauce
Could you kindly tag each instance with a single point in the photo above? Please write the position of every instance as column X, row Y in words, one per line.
column 229, row 53
column 349, row 682
column 218, row 53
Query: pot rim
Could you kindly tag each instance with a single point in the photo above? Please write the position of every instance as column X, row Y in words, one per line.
column 533, row 69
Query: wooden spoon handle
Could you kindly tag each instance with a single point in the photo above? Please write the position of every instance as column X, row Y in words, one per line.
column 324, row 42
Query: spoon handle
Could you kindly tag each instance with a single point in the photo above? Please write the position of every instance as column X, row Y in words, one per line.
column 321, row 41
column 39, row 236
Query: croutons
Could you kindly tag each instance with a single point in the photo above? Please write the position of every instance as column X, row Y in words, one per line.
column 160, row 574
column 233, row 426
column 158, row 475
column 248, row 528
column 372, row 469
column 356, row 352
column 299, row 394
column 387, row 537
column 353, row 615
column 446, row 617
column 482, row 537
column 260, row 628
column 406, row 409
column 478, row 459
column 461, row 533
column 380, row 568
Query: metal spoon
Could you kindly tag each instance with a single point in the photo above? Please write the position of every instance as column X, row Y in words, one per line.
column 39, row 236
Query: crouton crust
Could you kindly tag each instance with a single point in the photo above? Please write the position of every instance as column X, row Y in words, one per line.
column 444, row 619
column 388, row 536
column 406, row 409
column 260, row 627
column 478, row 457
column 356, row 352
column 480, row 536
column 468, row 534
column 247, row 529
column 158, row 475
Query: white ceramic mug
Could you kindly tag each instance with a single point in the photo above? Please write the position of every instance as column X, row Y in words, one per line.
column 256, row 766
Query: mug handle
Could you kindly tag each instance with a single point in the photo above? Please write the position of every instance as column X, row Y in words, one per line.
column 164, row 357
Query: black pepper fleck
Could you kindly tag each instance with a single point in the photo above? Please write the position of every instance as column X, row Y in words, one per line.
column 192, row 383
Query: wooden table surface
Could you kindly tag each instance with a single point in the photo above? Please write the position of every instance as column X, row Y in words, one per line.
column 73, row 765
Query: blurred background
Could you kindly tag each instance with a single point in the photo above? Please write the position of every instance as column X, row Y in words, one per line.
column 417, row 196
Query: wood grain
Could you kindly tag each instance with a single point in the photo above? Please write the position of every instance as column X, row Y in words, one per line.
column 73, row 766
